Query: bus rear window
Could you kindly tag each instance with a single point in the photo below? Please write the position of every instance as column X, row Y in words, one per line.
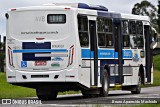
column 56, row 18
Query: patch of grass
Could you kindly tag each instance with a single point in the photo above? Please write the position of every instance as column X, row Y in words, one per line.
column 11, row 91
column 156, row 76
column 156, row 73
column 69, row 92
column 156, row 62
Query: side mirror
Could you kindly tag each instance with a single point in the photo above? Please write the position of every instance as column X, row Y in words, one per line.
column 154, row 39
column 153, row 45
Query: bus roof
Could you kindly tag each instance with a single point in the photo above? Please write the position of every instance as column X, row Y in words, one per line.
column 135, row 17
column 82, row 7
column 63, row 5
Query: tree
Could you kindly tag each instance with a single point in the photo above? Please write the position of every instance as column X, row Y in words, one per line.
column 158, row 20
column 145, row 8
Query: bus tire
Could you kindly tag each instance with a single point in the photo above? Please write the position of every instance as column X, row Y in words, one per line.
column 105, row 84
column 137, row 88
column 46, row 94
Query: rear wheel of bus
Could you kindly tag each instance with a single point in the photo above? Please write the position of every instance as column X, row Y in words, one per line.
column 46, row 94
column 137, row 88
column 105, row 84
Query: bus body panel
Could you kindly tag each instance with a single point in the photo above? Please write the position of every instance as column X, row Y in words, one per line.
column 39, row 51
column 35, row 46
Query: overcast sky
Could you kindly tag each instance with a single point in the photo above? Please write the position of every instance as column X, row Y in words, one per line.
column 123, row 6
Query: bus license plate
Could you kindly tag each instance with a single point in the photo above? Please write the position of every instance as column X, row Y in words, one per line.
column 40, row 63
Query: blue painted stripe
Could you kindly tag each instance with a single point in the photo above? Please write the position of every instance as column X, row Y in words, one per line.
column 105, row 53
column 92, row 7
column 39, row 50
column 127, row 54
column 87, row 53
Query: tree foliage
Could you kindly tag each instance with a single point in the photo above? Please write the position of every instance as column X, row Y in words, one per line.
column 145, row 8
column 158, row 20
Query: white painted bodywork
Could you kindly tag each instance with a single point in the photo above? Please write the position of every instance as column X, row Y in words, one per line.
column 133, row 80
column 67, row 36
column 21, row 22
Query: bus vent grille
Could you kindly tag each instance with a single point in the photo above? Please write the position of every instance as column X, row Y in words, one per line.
column 39, row 76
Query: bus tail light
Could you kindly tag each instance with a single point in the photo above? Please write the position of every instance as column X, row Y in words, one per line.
column 71, row 55
column 13, row 9
column 71, row 62
column 67, row 8
column 10, row 56
column 40, row 38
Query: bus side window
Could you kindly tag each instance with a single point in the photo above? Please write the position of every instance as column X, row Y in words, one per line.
column 83, row 31
column 139, row 26
column 133, row 41
column 132, row 27
column 140, row 40
column 132, row 32
column 104, row 30
column 125, row 32
column 84, row 39
column 101, row 40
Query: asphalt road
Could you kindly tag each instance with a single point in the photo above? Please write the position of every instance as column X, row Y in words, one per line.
column 150, row 95
column 146, row 93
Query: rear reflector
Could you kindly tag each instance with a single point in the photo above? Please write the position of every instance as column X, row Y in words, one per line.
column 11, row 76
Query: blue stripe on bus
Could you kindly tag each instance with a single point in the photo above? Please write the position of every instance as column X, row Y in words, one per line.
column 106, row 54
column 127, row 54
column 103, row 53
column 39, row 50
column 92, row 7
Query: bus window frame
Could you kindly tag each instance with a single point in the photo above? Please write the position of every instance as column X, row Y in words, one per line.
column 80, row 31
column 126, row 34
column 136, row 34
column 105, row 33
column 133, row 35
column 140, row 34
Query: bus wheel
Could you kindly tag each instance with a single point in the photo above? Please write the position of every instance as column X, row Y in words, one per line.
column 137, row 88
column 105, row 84
column 44, row 94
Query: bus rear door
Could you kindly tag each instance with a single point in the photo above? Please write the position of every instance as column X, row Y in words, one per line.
column 118, row 49
column 148, row 52
column 94, row 53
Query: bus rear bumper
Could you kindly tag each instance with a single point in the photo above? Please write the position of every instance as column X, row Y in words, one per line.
column 45, row 76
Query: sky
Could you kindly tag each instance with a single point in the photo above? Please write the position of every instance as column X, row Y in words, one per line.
column 122, row 6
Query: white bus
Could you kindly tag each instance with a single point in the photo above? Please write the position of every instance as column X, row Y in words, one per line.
column 60, row 47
